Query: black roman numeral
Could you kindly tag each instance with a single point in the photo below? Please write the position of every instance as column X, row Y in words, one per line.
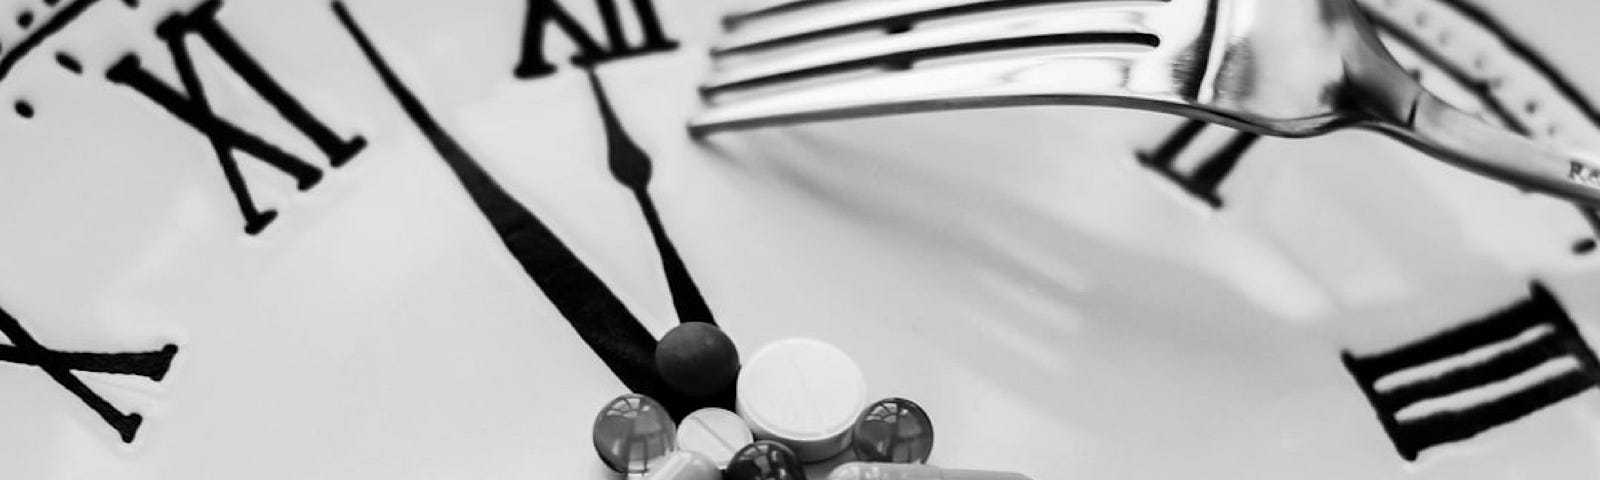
column 191, row 106
column 60, row 366
column 1538, row 330
column 1206, row 176
column 542, row 12
column 1586, row 246
column 588, row 305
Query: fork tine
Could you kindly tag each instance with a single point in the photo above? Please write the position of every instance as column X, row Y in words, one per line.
column 1119, row 25
column 1035, row 80
column 772, row 7
column 813, row 22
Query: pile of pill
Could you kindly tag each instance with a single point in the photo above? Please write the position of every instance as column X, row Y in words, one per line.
column 799, row 401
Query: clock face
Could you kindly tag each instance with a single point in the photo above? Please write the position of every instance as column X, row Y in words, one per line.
column 416, row 239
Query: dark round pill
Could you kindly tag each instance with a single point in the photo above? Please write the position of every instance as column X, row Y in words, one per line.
column 765, row 460
column 697, row 359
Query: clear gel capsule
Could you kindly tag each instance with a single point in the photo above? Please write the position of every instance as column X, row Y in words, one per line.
column 632, row 431
column 899, row 471
column 893, row 430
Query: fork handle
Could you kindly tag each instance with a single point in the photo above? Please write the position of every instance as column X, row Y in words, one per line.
column 1464, row 140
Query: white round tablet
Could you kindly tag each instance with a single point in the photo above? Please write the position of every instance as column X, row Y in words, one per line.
column 715, row 432
column 803, row 393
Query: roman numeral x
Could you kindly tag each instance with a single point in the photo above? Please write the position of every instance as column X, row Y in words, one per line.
column 61, row 367
column 1509, row 342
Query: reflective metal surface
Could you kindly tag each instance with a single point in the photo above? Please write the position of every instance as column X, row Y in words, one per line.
column 1289, row 68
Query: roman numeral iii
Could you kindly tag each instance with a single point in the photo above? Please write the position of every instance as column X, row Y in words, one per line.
column 190, row 106
column 1476, row 358
column 541, row 13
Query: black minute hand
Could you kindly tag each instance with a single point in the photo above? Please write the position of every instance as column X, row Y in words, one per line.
column 632, row 168
column 594, row 312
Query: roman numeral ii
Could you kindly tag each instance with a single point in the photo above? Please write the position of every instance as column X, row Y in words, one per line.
column 1203, row 177
column 191, row 107
column 1479, row 354
column 541, row 13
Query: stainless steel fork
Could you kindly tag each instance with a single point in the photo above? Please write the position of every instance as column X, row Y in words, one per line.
column 1287, row 68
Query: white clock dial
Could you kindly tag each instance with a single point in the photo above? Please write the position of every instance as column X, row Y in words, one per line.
column 414, row 239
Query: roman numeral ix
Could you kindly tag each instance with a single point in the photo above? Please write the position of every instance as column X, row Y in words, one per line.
column 190, row 106
column 1203, row 177
column 1480, row 354
column 541, row 13
column 61, row 367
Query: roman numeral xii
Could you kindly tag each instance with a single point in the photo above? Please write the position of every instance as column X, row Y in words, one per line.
column 542, row 13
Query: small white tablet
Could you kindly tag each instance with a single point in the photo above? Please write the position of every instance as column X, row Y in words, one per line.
column 803, row 393
column 715, row 432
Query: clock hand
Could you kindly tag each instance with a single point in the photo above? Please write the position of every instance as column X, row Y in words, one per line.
column 594, row 312
column 631, row 166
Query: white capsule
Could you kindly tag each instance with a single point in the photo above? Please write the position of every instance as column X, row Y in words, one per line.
column 899, row 471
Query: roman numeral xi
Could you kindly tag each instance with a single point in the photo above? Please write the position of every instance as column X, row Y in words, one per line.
column 1478, row 356
column 189, row 105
